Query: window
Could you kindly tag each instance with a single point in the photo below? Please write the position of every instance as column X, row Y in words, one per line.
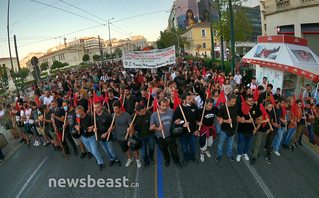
column 265, row 26
column 204, row 46
column 203, row 33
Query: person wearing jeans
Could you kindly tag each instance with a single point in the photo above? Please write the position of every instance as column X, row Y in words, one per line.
column 278, row 138
column 103, row 123
column 246, row 118
column 310, row 119
column 228, row 126
column 86, row 129
column 142, row 126
column 290, row 133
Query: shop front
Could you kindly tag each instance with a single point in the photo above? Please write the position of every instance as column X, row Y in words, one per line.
column 286, row 61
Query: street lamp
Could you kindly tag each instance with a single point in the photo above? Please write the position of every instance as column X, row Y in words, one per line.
column 108, row 22
column 178, row 46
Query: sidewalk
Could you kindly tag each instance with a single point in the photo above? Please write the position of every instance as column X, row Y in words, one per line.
column 12, row 144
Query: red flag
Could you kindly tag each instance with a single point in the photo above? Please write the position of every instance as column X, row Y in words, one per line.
column 141, row 103
column 69, row 94
column 78, row 119
column 294, row 108
column 221, row 98
column 17, row 106
column 209, row 93
column 204, row 72
column 244, row 107
column 122, row 108
column 284, row 112
column 272, row 100
column 147, row 48
column 100, row 84
column 151, row 91
column 177, row 101
column 303, row 107
column 256, row 95
column 37, row 100
column 195, row 68
column 106, row 99
column 155, row 107
column 265, row 114
column 95, row 98
column 75, row 102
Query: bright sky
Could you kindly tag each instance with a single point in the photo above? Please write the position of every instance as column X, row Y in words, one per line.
column 39, row 27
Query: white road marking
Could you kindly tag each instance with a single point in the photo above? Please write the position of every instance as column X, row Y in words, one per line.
column 31, row 176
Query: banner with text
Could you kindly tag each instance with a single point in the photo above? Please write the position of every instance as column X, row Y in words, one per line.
column 149, row 59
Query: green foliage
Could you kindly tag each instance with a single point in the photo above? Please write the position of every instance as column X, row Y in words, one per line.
column 107, row 55
column 215, row 65
column 168, row 39
column 118, row 51
column 44, row 66
column 242, row 23
column 57, row 64
column 25, row 72
column 96, row 57
column 86, row 58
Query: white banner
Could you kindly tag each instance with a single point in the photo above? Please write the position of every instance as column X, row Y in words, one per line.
column 149, row 59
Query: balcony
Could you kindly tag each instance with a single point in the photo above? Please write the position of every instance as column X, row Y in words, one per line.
column 282, row 3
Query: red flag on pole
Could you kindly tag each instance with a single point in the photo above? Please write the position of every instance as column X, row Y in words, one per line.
column 106, row 99
column 209, row 93
column 155, row 105
column 17, row 106
column 141, row 103
column 256, row 95
column 221, row 98
column 204, row 72
column 122, row 108
column 147, row 48
column 272, row 100
column 177, row 101
column 294, row 108
column 69, row 94
column 75, row 102
column 264, row 114
column 195, row 68
column 100, row 84
column 37, row 100
column 244, row 107
column 78, row 119
column 150, row 93
column 95, row 98
column 284, row 112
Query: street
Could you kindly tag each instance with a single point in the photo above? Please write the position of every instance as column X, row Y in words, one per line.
column 294, row 174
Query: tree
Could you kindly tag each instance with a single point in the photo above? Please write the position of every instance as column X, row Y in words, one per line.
column 242, row 23
column 118, row 51
column 168, row 39
column 96, row 57
column 24, row 72
column 107, row 55
column 57, row 64
column 86, row 58
column 44, row 66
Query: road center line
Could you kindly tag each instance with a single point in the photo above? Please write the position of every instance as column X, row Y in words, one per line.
column 260, row 181
column 31, row 176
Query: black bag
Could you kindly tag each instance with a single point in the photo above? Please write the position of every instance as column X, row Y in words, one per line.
column 176, row 131
column 75, row 133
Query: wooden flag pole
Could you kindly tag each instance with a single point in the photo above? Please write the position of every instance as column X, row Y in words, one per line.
column 66, row 115
column 44, row 123
column 273, row 108
column 180, row 106
column 251, row 118
column 95, row 123
column 131, row 125
column 202, row 118
column 231, row 124
column 160, row 120
column 148, row 100
column 108, row 135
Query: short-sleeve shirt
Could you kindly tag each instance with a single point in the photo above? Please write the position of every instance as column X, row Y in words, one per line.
column 248, row 128
column 167, row 121
column 122, row 122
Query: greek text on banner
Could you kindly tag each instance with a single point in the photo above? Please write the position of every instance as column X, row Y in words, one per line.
column 149, row 59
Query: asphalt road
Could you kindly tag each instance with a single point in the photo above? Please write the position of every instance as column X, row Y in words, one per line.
column 294, row 174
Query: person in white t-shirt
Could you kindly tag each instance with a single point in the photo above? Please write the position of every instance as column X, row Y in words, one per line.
column 238, row 78
column 264, row 83
column 48, row 98
column 25, row 115
column 253, row 85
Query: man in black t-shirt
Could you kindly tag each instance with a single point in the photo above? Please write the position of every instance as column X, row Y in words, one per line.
column 207, row 130
column 82, row 101
column 86, row 127
column 70, row 122
column 143, row 99
column 130, row 101
column 103, row 123
column 246, row 128
column 227, row 131
column 111, row 100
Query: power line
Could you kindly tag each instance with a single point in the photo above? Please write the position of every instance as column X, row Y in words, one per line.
column 139, row 15
column 65, row 11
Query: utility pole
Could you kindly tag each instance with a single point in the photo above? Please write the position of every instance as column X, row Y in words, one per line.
column 17, row 55
column 101, row 51
column 211, row 32
column 232, row 36
column 221, row 37
column 110, row 41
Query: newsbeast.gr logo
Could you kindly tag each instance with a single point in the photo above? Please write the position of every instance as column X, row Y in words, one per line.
column 91, row 182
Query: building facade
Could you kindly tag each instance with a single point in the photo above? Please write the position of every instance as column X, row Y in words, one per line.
column 199, row 40
column 298, row 18
column 5, row 62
